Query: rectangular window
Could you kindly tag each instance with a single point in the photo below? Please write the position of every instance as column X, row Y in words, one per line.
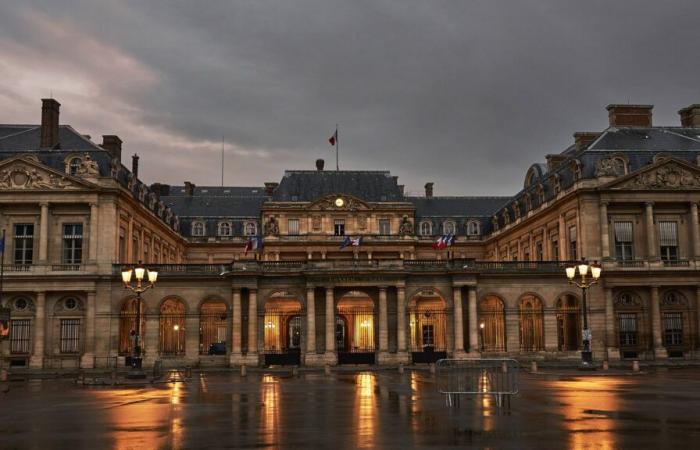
column 72, row 243
column 122, row 245
column 538, row 251
column 293, row 226
column 555, row 248
column 673, row 329
column 70, row 335
column 526, row 253
column 628, row 329
column 24, row 243
column 428, row 335
column 339, row 227
column 668, row 240
column 384, row 226
column 573, row 251
column 623, row 241
column 20, row 336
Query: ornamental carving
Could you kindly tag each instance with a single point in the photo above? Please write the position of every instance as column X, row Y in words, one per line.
column 339, row 203
column 271, row 227
column 674, row 299
column 627, row 300
column 316, row 223
column 88, row 167
column 362, row 221
column 406, row 227
column 21, row 176
column 114, row 167
column 611, row 166
column 668, row 176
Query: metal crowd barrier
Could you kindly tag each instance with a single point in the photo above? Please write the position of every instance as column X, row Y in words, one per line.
column 463, row 377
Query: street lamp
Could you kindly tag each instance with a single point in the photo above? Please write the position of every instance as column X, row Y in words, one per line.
column 481, row 328
column 139, row 271
column 585, row 281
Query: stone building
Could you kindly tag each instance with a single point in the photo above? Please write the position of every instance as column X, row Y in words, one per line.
column 74, row 215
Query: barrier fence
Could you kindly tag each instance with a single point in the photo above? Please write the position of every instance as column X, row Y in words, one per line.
column 470, row 377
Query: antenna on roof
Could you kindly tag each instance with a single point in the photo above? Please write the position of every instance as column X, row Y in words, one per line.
column 222, row 160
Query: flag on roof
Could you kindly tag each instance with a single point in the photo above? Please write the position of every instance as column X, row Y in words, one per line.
column 334, row 138
column 254, row 243
column 348, row 241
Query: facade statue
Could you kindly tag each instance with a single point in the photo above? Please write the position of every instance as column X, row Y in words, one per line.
column 406, row 227
column 272, row 228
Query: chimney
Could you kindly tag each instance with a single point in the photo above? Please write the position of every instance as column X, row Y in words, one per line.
column 429, row 190
column 113, row 145
column 161, row 190
column 319, row 164
column 189, row 189
column 690, row 116
column 49, row 122
column 630, row 115
column 554, row 160
column 583, row 139
column 270, row 187
column 135, row 166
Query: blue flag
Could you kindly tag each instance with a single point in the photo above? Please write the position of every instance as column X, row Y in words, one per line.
column 2, row 243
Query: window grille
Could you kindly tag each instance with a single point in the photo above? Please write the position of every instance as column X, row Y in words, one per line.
column 20, row 336
column 673, row 328
column 628, row 329
column 70, row 335
column 293, row 226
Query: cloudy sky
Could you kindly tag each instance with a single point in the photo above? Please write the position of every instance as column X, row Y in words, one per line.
column 464, row 93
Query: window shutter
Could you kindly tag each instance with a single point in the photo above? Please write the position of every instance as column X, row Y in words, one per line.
column 623, row 231
column 668, row 234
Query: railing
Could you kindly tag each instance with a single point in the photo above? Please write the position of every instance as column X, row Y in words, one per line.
column 18, row 268
column 631, row 263
column 676, row 263
column 65, row 267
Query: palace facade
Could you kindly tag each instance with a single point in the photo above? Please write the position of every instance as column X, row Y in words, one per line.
column 75, row 214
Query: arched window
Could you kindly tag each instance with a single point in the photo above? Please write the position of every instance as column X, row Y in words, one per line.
column 448, row 227
column 197, row 228
column 250, row 229
column 676, row 314
column 172, row 327
column 74, row 166
column 473, row 228
column 531, row 324
column 540, row 194
column 426, row 228
column 225, row 229
column 213, row 327
column 127, row 326
column 493, row 325
column 568, row 323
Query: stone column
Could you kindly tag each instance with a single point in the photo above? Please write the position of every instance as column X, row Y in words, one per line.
column 650, row 230
column 610, row 340
column 604, row 232
column 659, row 349
column 94, row 224
column 44, row 233
column 310, row 321
column 37, row 358
column 401, row 318
column 563, row 240
column 473, row 322
column 253, row 324
column 695, row 229
column 191, row 337
column 150, row 337
column 87, row 361
column 130, row 242
column 330, row 326
column 458, row 323
column 383, row 321
column 236, row 327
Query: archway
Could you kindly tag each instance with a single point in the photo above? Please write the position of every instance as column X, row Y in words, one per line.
column 531, row 324
column 172, row 327
column 427, row 321
column 355, row 330
column 677, row 324
column 493, row 326
column 127, row 326
column 568, row 323
column 213, row 328
column 282, row 330
column 632, row 320
column 22, row 311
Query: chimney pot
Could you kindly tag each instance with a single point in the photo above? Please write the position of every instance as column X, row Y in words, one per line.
column 270, row 187
column 135, row 166
column 49, row 122
column 630, row 115
column 189, row 189
column 690, row 116
column 429, row 190
column 113, row 145
column 319, row 164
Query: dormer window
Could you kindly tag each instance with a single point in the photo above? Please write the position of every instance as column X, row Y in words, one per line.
column 448, row 227
column 426, row 228
column 473, row 228
column 197, row 228
column 516, row 210
column 528, row 202
column 540, row 194
column 250, row 229
column 556, row 185
column 576, row 170
column 225, row 229
column 74, row 166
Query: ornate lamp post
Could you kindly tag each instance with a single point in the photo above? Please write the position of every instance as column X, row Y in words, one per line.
column 481, row 329
column 584, row 282
column 139, row 271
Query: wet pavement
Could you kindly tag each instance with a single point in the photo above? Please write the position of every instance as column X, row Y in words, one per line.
column 381, row 409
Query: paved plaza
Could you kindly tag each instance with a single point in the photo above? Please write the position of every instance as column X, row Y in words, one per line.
column 370, row 409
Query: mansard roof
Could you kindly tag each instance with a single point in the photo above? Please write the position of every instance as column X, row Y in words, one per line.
column 457, row 206
column 309, row 185
column 211, row 206
column 23, row 138
column 648, row 139
column 218, row 191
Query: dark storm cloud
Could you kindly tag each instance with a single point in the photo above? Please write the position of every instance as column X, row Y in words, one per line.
column 464, row 93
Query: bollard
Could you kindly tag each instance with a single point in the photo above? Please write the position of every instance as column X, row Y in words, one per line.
column 295, row 371
column 533, row 367
column 606, row 365
column 188, row 372
column 432, row 368
column 400, row 368
column 327, row 369
column 635, row 366
column 244, row 370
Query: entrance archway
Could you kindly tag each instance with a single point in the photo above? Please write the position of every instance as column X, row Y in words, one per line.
column 213, row 328
column 282, row 330
column 355, row 331
column 427, row 322
column 531, row 324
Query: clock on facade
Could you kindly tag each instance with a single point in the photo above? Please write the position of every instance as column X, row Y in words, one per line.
column 339, row 202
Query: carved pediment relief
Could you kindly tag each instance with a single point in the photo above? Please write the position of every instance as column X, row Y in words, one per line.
column 27, row 174
column 666, row 174
column 340, row 202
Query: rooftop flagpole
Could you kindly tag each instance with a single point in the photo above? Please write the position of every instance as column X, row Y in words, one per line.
column 337, row 149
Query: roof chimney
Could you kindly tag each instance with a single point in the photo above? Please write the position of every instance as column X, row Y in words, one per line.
column 189, row 189
column 630, row 115
column 429, row 190
column 690, row 116
column 135, row 166
column 319, row 164
column 49, row 122
column 583, row 139
column 113, row 145
column 270, row 187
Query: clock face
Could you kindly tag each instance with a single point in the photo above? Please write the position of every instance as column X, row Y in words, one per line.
column 339, row 202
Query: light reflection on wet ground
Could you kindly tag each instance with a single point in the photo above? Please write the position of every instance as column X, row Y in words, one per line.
column 355, row 410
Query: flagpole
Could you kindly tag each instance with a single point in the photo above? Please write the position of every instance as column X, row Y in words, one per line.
column 337, row 148
column 2, row 265
column 222, row 161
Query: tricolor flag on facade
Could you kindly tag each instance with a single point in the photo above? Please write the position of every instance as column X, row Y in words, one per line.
column 254, row 244
column 334, row 138
column 348, row 241
column 444, row 241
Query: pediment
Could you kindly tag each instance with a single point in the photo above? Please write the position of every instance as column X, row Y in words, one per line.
column 338, row 202
column 26, row 173
column 666, row 174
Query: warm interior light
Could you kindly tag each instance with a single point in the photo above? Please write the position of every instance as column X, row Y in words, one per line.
column 152, row 276
column 570, row 272
column 126, row 276
column 481, row 325
column 176, row 327
column 583, row 269
column 595, row 271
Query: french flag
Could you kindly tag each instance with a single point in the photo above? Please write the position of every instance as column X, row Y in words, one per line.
column 254, row 243
column 444, row 241
column 348, row 241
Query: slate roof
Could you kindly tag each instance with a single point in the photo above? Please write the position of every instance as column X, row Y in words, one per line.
column 209, row 206
column 309, row 185
column 457, row 206
column 23, row 138
column 651, row 139
column 219, row 191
